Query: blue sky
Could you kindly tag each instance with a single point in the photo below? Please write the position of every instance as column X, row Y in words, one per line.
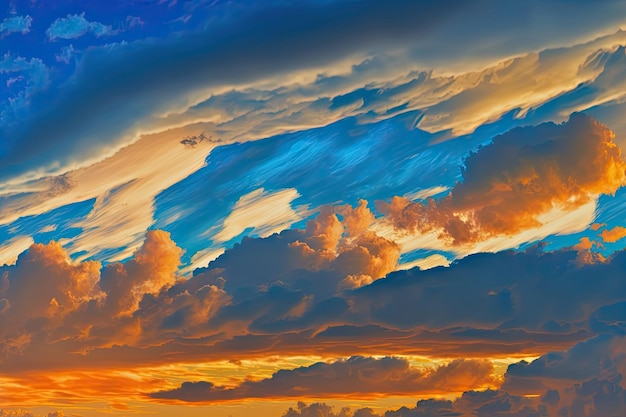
column 249, row 178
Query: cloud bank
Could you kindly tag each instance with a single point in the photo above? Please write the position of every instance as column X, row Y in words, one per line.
column 354, row 376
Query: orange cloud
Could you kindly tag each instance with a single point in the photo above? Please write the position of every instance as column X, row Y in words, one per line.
column 152, row 267
column 613, row 235
column 44, row 284
column 522, row 174
column 597, row 226
column 585, row 254
column 349, row 245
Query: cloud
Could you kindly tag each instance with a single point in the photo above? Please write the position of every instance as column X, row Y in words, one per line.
column 266, row 212
column 15, row 412
column 295, row 290
column 596, row 358
column 245, row 120
column 337, row 248
column 183, row 67
column 64, row 287
column 66, row 53
column 521, row 175
column 152, row 267
column 584, row 380
column 354, row 376
column 74, row 297
column 10, row 250
column 187, row 77
column 124, row 187
column 317, row 410
column 132, row 21
column 431, row 261
column 614, row 234
column 15, row 24
column 37, row 78
column 74, row 26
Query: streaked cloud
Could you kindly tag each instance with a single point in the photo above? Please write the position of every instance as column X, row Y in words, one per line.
column 265, row 212
column 10, row 250
column 299, row 56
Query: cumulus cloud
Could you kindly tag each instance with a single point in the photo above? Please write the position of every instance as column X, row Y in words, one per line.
column 582, row 381
column 296, row 289
column 521, row 175
column 599, row 358
column 83, row 300
column 614, row 234
column 61, row 287
column 74, row 26
column 152, row 267
column 337, row 249
column 353, row 376
column 15, row 24
column 36, row 74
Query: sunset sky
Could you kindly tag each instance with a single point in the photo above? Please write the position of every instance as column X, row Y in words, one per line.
column 313, row 208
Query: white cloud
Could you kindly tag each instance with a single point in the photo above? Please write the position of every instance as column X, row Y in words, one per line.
column 427, row 192
column 15, row 24
column 202, row 258
column 74, row 26
column 124, row 186
column 429, row 262
column 266, row 212
column 10, row 250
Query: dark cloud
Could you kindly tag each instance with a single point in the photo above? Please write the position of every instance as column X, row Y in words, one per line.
column 521, row 175
column 597, row 358
column 284, row 293
column 318, row 410
column 589, row 398
column 353, row 376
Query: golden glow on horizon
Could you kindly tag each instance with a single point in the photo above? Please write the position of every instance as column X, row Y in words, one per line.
column 126, row 389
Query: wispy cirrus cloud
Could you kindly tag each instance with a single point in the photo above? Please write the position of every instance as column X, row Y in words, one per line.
column 303, row 55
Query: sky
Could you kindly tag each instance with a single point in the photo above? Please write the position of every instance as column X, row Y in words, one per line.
column 312, row 208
